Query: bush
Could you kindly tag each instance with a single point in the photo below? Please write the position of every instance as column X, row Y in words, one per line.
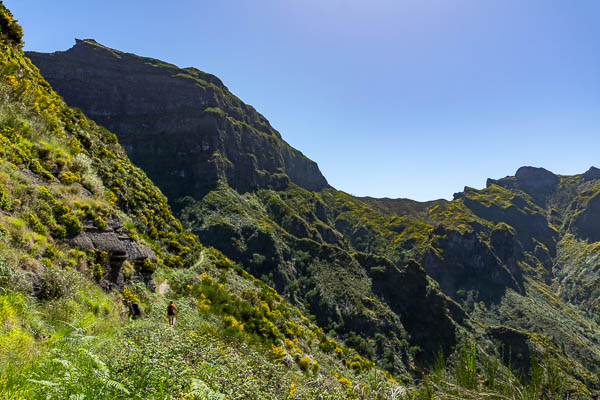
column 92, row 183
column 68, row 178
column 278, row 351
column 71, row 223
column 10, row 31
column 304, row 363
column 232, row 325
column 100, row 223
column 53, row 283
column 35, row 224
column 37, row 168
column 5, row 200
column 98, row 272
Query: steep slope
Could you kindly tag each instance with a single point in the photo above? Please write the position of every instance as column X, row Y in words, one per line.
column 243, row 190
column 162, row 111
column 399, row 280
column 82, row 230
column 67, row 184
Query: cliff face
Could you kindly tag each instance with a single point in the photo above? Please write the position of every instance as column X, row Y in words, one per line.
column 182, row 126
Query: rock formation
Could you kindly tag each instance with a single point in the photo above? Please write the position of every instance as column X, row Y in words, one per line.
column 182, row 126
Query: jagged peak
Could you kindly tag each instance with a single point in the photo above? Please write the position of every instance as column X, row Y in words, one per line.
column 86, row 41
column 528, row 177
column 92, row 44
column 591, row 174
column 536, row 176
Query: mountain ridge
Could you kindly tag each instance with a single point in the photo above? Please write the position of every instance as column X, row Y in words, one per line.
column 201, row 104
column 506, row 255
column 84, row 233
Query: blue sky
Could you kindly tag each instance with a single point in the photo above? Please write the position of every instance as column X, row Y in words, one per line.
column 396, row 98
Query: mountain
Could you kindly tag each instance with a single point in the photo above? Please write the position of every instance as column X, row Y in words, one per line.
column 511, row 266
column 83, row 231
column 238, row 186
column 162, row 111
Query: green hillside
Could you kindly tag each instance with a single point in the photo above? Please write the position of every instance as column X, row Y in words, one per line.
column 298, row 290
column 82, row 230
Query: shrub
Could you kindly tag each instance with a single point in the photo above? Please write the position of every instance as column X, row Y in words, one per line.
column 53, row 283
column 37, row 168
column 58, row 231
column 149, row 265
column 127, row 269
column 203, row 302
column 304, row 363
column 35, row 224
column 232, row 325
column 100, row 223
column 81, row 163
column 316, row 367
column 223, row 262
column 345, row 381
column 71, row 223
column 278, row 351
column 6, row 273
column 92, row 183
column 98, row 272
column 129, row 294
column 5, row 200
column 10, row 31
column 50, row 252
column 43, row 150
column 68, row 178
column 110, row 196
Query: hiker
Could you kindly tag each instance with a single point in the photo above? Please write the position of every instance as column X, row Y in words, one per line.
column 171, row 310
column 134, row 309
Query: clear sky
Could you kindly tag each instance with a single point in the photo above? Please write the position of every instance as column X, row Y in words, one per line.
column 396, row 98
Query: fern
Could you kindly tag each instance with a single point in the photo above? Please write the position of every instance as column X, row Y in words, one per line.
column 200, row 390
column 43, row 383
column 116, row 386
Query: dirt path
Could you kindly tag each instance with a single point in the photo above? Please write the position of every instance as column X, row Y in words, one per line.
column 164, row 286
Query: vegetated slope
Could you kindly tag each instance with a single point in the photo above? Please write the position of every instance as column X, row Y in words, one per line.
column 82, row 229
column 67, row 183
column 278, row 227
column 346, row 261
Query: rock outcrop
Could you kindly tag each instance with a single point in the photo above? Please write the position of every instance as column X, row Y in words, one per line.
column 114, row 240
column 183, row 127
column 591, row 174
column 539, row 183
column 533, row 177
column 585, row 222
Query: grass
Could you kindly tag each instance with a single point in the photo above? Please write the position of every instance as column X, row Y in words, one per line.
column 82, row 348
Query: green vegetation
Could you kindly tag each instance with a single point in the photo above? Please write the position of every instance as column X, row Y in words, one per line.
column 78, row 345
column 10, row 31
column 491, row 295
column 40, row 134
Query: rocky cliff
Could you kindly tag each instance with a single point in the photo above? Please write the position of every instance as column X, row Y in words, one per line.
column 182, row 126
